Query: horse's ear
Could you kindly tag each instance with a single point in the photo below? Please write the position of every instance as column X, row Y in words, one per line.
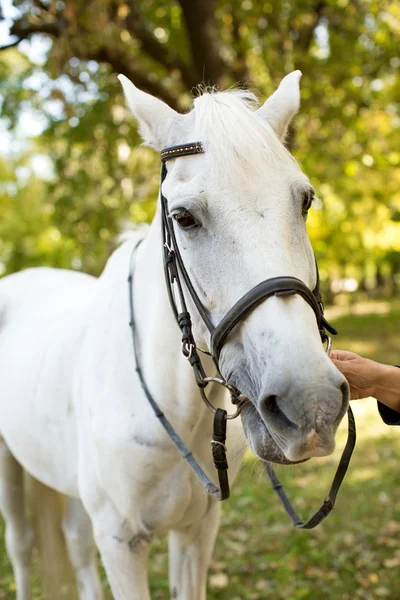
column 153, row 115
column 281, row 107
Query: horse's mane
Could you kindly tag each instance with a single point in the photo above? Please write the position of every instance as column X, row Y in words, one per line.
column 133, row 232
column 232, row 132
column 125, row 242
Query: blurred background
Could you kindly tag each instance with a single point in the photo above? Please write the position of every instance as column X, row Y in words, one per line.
column 73, row 176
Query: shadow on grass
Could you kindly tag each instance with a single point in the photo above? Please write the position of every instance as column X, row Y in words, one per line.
column 343, row 558
column 355, row 553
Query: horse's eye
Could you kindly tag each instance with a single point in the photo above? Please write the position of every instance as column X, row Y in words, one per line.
column 308, row 197
column 184, row 219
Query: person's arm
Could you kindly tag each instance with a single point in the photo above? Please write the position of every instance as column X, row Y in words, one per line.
column 369, row 378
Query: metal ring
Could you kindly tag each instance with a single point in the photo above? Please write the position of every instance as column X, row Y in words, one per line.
column 206, row 400
column 232, row 390
column 238, row 411
column 328, row 345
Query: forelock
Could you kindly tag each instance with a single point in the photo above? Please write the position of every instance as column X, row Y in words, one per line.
column 234, row 136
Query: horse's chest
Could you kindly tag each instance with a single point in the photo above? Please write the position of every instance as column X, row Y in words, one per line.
column 149, row 482
column 176, row 501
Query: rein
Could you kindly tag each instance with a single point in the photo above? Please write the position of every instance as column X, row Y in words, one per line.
column 174, row 268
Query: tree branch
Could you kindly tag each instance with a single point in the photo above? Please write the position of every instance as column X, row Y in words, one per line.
column 41, row 5
column 11, row 45
column 203, row 37
column 306, row 33
column 120, row 63
column 24, row 29
column 159, row 52
column 239, row 67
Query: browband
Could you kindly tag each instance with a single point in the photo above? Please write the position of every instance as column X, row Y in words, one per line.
column 182, row 150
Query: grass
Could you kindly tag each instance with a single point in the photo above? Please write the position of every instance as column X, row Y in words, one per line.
column 354, row 554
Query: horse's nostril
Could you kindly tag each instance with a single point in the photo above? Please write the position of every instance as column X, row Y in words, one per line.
column 271, row 404
column 344, row 388
column 270, row 410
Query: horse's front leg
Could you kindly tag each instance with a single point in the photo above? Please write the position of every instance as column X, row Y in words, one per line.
column 124, row 553
column 78, row 535
column 190, row 552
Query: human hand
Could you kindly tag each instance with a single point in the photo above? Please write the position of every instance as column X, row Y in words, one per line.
column 361, row 373
column 369, row 378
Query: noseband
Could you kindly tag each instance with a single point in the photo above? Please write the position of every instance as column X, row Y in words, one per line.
column 174, row 269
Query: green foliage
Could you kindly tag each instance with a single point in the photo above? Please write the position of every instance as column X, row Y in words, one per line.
column 345, row 136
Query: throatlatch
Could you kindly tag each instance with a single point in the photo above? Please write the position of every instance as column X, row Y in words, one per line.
column 174, row 269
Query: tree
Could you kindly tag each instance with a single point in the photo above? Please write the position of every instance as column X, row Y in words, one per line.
column 345, row 133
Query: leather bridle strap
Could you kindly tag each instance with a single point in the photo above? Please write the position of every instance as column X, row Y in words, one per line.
column 222, row 492
column 325, row 325
column 276, row 286
column 181, row 150
column 172, row 254
column 329, row 503
column 171, row 248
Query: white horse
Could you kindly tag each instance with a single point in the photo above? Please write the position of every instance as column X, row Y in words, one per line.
column 72, row 410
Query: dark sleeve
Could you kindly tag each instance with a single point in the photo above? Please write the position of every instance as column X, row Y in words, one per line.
column 389, row 416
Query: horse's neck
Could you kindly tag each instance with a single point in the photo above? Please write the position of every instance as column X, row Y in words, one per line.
column 168, row 375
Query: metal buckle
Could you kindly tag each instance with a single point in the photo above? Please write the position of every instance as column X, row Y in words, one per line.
column 187, row 350
column 219, row 444
column 236, row 397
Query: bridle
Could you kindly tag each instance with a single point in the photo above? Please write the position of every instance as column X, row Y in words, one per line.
column 174, row 269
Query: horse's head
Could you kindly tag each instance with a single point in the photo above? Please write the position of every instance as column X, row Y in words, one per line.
column 239, row 213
